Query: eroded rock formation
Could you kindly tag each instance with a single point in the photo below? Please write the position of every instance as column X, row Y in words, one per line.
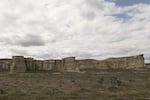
column 70, row 64
column 18, row 64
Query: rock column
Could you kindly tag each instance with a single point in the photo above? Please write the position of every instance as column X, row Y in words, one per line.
column 18, row 64
column 69, row 64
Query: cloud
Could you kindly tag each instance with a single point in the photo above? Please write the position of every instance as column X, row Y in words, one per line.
column 24, row 41
column 30, row 40
column 82, row 28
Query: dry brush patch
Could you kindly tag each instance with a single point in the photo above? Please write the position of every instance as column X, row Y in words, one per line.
column 75, row 86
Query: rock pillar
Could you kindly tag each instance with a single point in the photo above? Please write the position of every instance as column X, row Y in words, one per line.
column 30, row 64
column 69, row 64
column 18, row 64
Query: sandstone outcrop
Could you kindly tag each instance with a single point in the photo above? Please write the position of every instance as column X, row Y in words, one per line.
column 70, row 64
column 18, row 64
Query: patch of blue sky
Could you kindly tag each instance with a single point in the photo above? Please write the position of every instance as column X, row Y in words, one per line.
column 129, row 2
column 123, row 16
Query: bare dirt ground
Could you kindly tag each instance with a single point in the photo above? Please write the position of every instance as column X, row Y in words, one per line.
column 113, row 85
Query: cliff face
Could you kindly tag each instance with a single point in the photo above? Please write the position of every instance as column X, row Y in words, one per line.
column 114, row 63
column 69, row 64
column 18, row 64
column 126, row 62
column 30, row 64
column 5, row 64
column 21, row 64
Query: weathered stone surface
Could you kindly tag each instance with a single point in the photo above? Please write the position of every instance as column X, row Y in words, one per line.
column 126, row 62
column 113, row 63
column 51, row 64
column 46, row 65
column 30, row 64
column 87, row 63
column 58, row 66
column 18, row 64
column 69, row 64
column 5, row 64
column 39, row 64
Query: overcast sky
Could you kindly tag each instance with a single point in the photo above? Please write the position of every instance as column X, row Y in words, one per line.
column 83, row 28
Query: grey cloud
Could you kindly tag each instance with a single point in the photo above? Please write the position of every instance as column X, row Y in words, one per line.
column 96, row 3
column 147, row 58
column 89, row 15
column 119, row 39
column 24, row 41
column 6, row 41
column 72, row 28
column 118, row 51
column 19, row 51
column 30, row 40
column 9, row 19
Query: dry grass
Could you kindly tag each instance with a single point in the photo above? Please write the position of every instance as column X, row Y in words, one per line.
column 134, row 85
